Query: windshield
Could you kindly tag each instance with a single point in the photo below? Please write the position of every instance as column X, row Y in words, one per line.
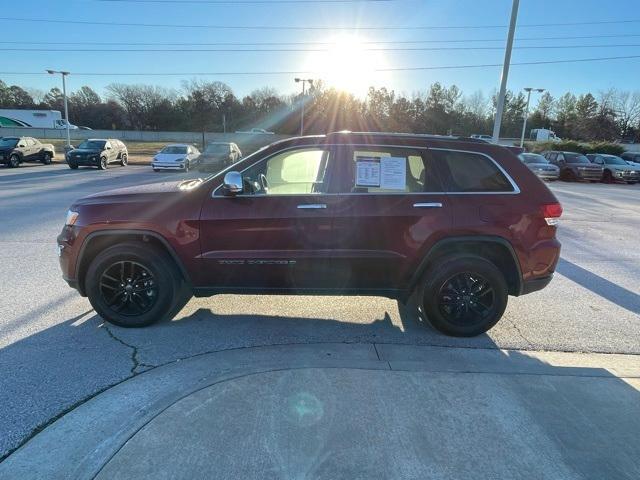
column 173, row 149
column 613, row 160
column 92, row 144
column 533, row 158
column 217, row 148
column 8, row 142
column 576, row 158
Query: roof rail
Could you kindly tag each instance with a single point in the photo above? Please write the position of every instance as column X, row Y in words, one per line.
column 414, row 135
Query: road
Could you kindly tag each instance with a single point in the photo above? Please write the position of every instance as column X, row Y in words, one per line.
column 55, row 352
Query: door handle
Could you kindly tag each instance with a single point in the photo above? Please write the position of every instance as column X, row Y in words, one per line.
column 427, row 205
column 312, row 206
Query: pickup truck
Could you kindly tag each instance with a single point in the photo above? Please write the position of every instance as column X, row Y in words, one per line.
column 15, row 150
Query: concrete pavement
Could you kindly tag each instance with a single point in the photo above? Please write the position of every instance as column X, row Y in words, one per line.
column 354, row 411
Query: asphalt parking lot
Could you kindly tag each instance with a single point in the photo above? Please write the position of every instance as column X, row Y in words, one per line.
column 55, row 352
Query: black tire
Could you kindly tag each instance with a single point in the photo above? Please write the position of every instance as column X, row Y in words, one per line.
column 478, row 310
column 124, row 309
column 103, row 164
column 73, row 165
column 631, row 183
column 14, row 161
column 124, row 161
column 156, row 170
column 187, row 166
column 46, row 158
column 607, row 177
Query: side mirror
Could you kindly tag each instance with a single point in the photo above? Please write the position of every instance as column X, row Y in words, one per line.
column 109, row 147
column 233, row 182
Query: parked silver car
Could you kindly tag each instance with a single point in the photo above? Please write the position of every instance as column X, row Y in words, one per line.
column 176, row 156
column 540, row 166
column 615, row 168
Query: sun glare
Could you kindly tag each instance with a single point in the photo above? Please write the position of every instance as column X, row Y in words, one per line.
column 347, row 64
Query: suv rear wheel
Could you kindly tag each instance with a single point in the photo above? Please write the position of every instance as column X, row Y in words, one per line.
column 464, row 296
column 14, row 161
column 46, row 158
column 124, row 160
column 133, row 285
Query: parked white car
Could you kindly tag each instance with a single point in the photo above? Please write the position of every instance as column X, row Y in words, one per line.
column 176, row 156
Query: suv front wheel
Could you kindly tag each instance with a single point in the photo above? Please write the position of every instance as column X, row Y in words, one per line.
column 133, row 285
column 464, row 296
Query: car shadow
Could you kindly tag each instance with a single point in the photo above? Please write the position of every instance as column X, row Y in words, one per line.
column 512, row 414
column 600, row 286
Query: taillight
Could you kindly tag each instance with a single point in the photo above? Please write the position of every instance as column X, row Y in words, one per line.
column 551, row 213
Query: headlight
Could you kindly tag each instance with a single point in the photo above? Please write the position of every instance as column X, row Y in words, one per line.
column 71, row 219
column 180, row 160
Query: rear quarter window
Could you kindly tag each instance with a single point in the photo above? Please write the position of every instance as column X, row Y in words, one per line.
column 470, row 172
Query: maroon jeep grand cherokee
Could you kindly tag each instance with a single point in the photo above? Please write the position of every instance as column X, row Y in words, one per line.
column 462, row 223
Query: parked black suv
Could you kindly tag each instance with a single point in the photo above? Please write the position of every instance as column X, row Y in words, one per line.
column 574, row 166
column 97, row 152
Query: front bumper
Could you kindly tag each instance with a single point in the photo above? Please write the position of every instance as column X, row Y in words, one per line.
column 84, row 161
column 67, row 243
column 168, row 165
column 547, row 174
column 627, row 177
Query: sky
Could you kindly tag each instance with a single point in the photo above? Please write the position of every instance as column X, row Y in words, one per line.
column 345, row 60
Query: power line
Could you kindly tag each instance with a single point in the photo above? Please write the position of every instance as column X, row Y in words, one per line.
column 298, row 28
column 245, row 2
column 366, row 42
column 284, row 50
column 298, row 72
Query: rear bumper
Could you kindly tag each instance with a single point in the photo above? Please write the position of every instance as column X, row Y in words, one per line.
column 535, row 284
column 589, row 175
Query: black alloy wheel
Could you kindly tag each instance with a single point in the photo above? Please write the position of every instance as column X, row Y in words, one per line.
column 14, row 161
column 466, row 298
column 134, row 284
column 128, row 288
column 46, row 158
column 464, row 295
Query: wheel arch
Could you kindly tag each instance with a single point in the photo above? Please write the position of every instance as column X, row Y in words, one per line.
column 95, row 242
column 496, row 249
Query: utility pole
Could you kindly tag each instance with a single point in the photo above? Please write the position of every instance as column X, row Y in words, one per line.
column 64, row 95
column 505, row 71
column 304, row 81
column 526, row 111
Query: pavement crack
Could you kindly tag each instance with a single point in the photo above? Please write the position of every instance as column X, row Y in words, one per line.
column 517, row 329
column 134, row 352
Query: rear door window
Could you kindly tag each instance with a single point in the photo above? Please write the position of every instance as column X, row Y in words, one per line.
column 383, row 170
column 470, row 172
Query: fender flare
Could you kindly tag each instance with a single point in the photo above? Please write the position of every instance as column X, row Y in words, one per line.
column 141, row 232
column 447, row 241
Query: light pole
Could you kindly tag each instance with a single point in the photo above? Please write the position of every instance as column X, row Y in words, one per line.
column 304, row 81
column 64, row 95
column 505, row 71
column 526, row 111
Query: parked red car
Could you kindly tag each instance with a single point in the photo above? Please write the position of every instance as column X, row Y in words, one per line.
column 461, row 222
